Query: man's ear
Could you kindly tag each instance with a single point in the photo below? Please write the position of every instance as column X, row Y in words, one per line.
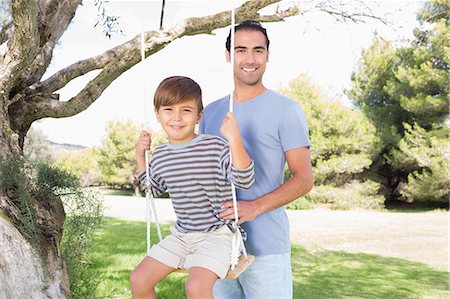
column 227, row 55
column 267, row 59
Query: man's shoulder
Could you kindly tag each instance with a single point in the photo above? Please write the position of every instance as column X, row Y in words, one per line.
column 280, row 98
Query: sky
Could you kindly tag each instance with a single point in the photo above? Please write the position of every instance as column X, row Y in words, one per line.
column 314, row 44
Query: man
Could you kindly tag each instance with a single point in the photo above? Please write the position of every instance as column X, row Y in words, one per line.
column 274, row 131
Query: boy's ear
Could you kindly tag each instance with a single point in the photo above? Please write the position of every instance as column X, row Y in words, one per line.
column 199, row 117
column 156, row 113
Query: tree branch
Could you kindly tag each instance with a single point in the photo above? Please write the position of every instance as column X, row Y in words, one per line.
column 121, row 58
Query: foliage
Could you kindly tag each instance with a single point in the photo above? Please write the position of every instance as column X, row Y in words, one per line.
column 120, row 245
column 110, row 23
column 116, row 155
column 405, row 92
column 432, row 154
column 84, row 211
column 82, row 164
column 84, row 218
column 14, row 174
column 343, row 140
column 352, row 195
column 343, row 146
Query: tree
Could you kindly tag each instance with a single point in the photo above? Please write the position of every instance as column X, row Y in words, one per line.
column 116, row 155
column 30, row 35
column 343, row 147
column 405, row 92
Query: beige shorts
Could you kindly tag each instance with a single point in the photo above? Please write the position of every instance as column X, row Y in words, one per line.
column 209, row 250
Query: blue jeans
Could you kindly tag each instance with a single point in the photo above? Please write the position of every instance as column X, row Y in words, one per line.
column 268, row 277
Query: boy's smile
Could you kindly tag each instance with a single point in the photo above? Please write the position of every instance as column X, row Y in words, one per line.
column 179, row 120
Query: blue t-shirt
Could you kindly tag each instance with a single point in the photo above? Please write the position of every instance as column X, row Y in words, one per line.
column 270, row 125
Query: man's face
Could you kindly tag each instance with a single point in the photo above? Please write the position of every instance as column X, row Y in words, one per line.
column 250, row 56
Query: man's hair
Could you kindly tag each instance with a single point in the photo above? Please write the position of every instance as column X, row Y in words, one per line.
column 248, row 25
column 176, row 90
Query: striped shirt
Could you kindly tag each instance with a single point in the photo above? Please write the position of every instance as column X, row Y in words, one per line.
column 197, row 176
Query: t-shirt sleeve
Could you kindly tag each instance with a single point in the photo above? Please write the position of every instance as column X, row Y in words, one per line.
column 293, row 129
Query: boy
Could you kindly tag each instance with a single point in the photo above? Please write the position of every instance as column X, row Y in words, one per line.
column 195, row 170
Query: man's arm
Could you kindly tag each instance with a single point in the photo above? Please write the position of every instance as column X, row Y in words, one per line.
column 301, row 182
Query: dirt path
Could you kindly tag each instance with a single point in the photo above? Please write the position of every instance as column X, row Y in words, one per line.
column 421, row 237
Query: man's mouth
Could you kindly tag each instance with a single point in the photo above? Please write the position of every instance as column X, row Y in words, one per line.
column 249, row 70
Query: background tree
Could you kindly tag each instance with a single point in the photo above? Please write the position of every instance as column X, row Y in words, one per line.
column 405, row 92
column 343, row 147
column 82, row 164
column 28, row 38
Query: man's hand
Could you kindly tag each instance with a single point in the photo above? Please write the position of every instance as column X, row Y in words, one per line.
column 247, row 211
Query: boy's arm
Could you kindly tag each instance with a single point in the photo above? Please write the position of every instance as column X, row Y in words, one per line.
column 230, row 130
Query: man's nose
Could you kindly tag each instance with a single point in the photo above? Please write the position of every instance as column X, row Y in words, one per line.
column 250, row 58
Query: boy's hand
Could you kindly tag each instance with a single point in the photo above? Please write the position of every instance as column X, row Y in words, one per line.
column 144, row 143
column 229, row 128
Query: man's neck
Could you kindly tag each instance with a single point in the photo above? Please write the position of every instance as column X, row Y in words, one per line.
column 245, row 93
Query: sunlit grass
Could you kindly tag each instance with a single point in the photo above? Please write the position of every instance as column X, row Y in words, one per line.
column 120, row 246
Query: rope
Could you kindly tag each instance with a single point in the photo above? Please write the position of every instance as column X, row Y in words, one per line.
column 237, row 243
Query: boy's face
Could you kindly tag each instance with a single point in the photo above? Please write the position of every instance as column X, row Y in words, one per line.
column 250, row 56
column 179, row 120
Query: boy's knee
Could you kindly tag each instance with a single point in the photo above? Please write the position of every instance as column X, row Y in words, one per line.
column 136, row 281
column 195, row 288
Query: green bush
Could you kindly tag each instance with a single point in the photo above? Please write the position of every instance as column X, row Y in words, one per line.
column 353, row 195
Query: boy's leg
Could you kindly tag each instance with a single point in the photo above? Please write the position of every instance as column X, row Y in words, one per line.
column 146, row 275
column 200, row 282
column 270, row 277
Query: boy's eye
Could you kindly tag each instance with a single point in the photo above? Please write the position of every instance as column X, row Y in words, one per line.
column 187, row 110
column 167, row 109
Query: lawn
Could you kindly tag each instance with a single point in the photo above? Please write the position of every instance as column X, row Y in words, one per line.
column 120, row 245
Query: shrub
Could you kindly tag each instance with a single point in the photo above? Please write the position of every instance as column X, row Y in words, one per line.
column 350, row 196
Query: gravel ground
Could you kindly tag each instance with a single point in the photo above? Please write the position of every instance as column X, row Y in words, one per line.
column 421, row 237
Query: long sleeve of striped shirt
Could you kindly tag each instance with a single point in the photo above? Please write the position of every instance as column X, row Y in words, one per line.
column 241, row 178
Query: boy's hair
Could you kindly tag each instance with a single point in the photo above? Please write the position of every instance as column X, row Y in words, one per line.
column 176, row 90
column 248, row 25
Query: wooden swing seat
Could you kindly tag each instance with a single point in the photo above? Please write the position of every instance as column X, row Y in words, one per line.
column 242, row 264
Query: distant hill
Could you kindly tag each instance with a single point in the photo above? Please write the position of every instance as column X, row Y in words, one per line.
column 58, row 149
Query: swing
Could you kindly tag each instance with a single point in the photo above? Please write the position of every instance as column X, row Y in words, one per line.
column 238, row 262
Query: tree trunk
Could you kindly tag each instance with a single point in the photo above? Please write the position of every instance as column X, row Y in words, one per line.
column 24, row 273
column 26, row 270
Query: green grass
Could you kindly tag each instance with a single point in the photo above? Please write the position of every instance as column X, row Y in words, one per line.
column 120, row 245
